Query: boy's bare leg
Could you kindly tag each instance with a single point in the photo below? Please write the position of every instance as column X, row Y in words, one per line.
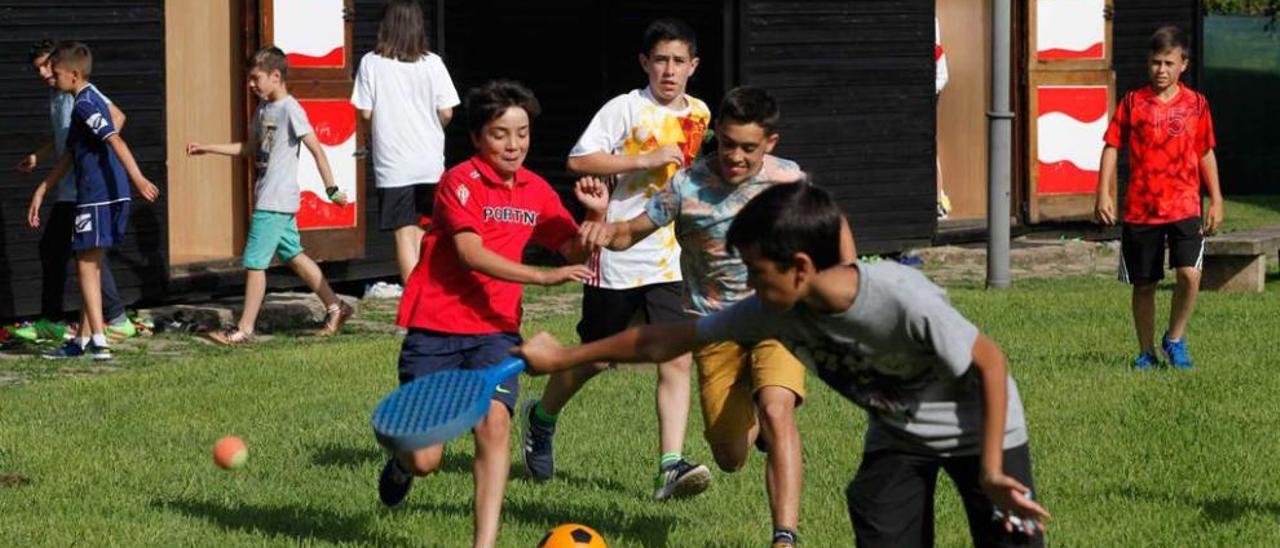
column 1184, row 300
column 1144, row 315
column 673, row 403
column 492, row 464
column 82, row 330
column 310, row 273
column 784, row 470
column 423, row 461
column 255, row 289
column 408, row 247
column 562, row 386
column 87, row 267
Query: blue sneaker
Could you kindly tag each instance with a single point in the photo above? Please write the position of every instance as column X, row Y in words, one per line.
column 1145, row 361
column 99, row 353
column 69, row 350
column 1177, row 351
column 539, row 452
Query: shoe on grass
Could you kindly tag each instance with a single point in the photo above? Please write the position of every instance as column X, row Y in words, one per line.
column 334, row 317
column 682, row 479
column 394, row 483
column 539, row 452
column 99, row 353
column 120, row 331
column 1145, row 361
column 231, row 337
column 1177, row 352
column 71, row 349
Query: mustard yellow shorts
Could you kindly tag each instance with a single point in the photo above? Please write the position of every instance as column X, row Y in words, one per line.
column 729, row 375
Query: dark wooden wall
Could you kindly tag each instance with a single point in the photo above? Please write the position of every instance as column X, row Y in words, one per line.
column 855, row 82
column 127, row 38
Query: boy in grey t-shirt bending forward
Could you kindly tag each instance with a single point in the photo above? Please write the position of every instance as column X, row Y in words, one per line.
column 937, row 390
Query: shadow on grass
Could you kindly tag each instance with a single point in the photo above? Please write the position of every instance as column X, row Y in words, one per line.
column 1218, row 508
column 344, row 456
column 617, row 526
column 298, row 522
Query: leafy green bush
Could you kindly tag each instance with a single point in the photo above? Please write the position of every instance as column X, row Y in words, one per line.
column 1243, row 7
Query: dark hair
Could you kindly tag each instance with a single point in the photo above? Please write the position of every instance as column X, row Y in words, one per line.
column 787, row 219
column 269, row 59
column 1170, row 37
column 73, row 55
column 750, row 105
column 491, row 100
column 40, row 49
column 402, row 34
column 666, row 29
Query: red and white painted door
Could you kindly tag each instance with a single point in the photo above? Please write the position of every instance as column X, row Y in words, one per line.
column 1070, row 100
column 315, row 35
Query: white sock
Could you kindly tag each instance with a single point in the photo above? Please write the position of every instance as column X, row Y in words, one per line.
column 100, row 340
column 82, row 342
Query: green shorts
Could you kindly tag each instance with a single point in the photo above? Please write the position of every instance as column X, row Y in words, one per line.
column 271, row 232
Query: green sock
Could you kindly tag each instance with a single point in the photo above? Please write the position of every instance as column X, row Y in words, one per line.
column 543, row 415
column 668, row 459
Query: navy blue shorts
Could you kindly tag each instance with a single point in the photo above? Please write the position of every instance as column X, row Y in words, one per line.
column 99, row 226
column 425, row 352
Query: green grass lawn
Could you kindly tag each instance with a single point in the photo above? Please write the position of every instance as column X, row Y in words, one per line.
column 1251, row 211
column 1122, row 459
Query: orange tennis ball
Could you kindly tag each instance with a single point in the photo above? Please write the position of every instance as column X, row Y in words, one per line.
column 230, row 452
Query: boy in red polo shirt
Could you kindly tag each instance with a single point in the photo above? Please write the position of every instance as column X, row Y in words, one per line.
column 1170, row 135
column 461, row 304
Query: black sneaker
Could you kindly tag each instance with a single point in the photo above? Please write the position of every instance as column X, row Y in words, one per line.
column 682, row 479
column 394, row 483
column 539, row 456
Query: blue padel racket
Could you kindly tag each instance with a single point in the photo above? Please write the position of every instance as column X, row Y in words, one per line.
column 438, row 407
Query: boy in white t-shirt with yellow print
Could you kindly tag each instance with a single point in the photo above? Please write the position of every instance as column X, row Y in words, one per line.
column 638, row 140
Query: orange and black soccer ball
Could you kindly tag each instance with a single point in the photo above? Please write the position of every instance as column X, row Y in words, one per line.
column 572, row 535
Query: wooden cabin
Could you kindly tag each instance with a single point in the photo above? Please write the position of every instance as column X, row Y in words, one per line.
column 855, row 79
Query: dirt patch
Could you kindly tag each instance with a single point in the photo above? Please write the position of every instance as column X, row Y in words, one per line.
column 14, row 480
column 1028, row 258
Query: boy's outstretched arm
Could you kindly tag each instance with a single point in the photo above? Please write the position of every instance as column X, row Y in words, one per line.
column 1209, row 167
column 643, row 344
column 475, row 256
column 1104, row 207
column 322, row 165
column 117, row 116
column 603, row 163
column 226, row 149
column 1008, row 494
column 144, row 186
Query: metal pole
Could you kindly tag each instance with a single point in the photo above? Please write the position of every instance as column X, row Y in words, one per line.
column 1000, row 124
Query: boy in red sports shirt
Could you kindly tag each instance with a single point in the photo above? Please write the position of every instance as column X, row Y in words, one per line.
column 1170, row 135
column 461, row 304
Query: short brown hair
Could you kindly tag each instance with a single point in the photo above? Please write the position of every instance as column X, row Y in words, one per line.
column 269, row 59
column 491, row 100
column 402, row 34
column 40, row 49
column 73, row 55
column 1168, row 38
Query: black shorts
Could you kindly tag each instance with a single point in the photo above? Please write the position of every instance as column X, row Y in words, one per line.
column 404, row 205
column 1142, row 249
column 424, row 352
column 891, row 499
column 607, row 312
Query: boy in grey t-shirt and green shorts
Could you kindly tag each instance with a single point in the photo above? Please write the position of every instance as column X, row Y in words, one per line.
column 279, row 127
column 937, row 391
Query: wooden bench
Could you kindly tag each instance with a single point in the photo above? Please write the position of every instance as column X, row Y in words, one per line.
column 1237, row 261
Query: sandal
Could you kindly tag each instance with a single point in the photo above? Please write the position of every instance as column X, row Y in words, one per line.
column 334, row 317
column 231, row 337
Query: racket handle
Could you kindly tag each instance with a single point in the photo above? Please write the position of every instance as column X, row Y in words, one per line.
column 507, row 368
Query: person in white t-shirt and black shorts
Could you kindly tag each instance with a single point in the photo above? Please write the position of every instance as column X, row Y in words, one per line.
column 404, row 91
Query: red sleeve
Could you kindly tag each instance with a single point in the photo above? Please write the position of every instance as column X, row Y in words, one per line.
column 1205, row 141
column 555, row 225
column 457, row 204
column 1118, row 129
